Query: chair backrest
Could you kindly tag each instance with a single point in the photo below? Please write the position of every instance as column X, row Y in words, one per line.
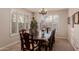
column 27, row 42
column 51, row 39
column 50, row 42
column 24, row 37
column 21, row 39
column 53, row 36
column 21, row 32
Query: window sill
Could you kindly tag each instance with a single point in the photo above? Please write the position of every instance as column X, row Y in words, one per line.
column 15, row 34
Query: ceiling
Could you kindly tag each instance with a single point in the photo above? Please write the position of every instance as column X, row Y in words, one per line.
column 48, row 9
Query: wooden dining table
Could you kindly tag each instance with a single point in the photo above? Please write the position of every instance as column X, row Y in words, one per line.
column 45, row 37
column 42, row 39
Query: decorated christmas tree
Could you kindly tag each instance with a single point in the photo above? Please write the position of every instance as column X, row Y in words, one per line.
column 34, row 27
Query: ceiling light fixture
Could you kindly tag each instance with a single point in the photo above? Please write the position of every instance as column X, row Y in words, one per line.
column 43, row 11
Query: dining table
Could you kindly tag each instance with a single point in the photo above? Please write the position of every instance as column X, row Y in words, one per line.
column 43, row 35
column 41, row 39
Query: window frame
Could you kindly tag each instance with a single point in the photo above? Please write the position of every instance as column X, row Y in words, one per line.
column 11, row 13
column 10, row 24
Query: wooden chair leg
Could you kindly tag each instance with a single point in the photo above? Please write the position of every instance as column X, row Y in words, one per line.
column 46, row 48
column 22, row 47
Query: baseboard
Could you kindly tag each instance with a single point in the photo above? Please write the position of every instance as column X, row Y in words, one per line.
column 4, row 47
column 61, row 38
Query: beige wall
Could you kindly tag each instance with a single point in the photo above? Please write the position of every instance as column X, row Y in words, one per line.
column 5, row 38
column 62, row 25
column 73, row 33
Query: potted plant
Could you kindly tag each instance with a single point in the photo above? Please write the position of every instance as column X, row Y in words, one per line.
column 34, row 27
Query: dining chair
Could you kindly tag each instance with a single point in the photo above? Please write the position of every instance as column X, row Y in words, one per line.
column 52, row 39
column 53, row 35
column 27, row 41
column 48, row 45
column 23, row 41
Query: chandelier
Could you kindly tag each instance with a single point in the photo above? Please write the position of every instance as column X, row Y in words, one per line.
column 43, row 11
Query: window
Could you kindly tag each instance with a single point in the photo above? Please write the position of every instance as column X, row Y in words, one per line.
column 27, row 22
column 18, row 21
column 55, row 22
column 50, row 21
column 21, row 22
column 14, row 23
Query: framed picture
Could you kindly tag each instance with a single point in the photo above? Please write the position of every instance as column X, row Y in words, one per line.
column 73, row 20
column 76, row 15
column 68, row 20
